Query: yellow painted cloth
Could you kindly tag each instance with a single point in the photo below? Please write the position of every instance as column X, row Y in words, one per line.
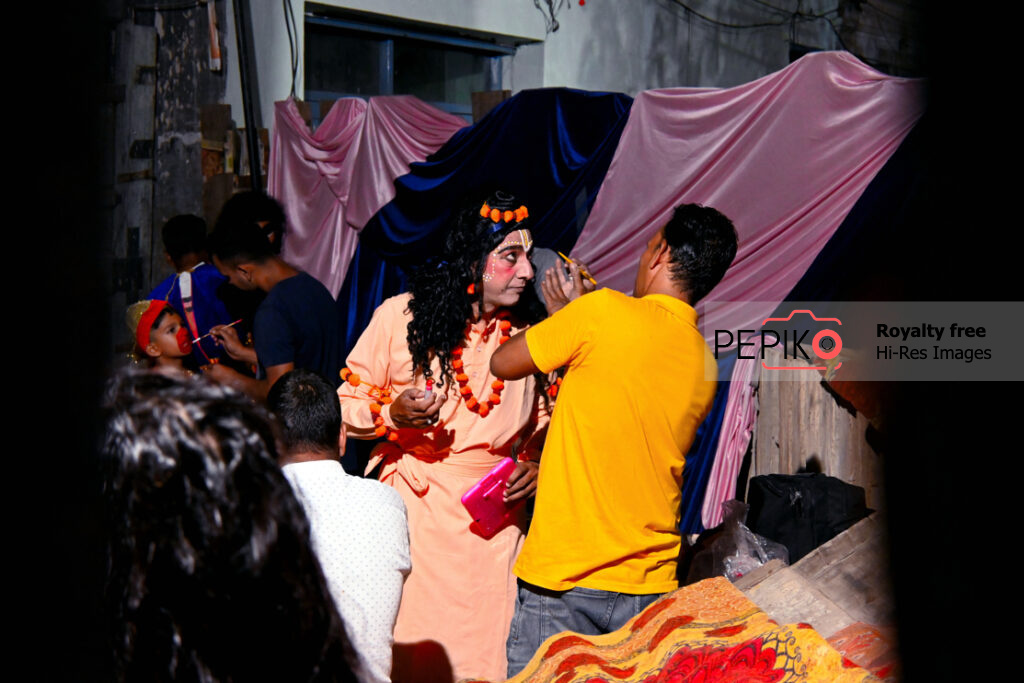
column 705, row 632
column 634, row 393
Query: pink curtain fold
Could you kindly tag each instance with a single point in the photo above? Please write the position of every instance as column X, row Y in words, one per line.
column 333, row 180
column 785, row 157
column 733, row 439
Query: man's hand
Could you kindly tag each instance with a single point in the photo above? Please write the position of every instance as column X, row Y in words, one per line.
column 411, row 410
column 522, row 483
column 226, row 336
column 559, row 288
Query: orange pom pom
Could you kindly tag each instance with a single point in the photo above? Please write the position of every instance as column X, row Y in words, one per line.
column 484, row 210
column 378, row 421
column 457, row 352
column 497, row 385
column 457, row 364
column 552, row 391
column 484, row 410
column 495, row 399
column 375, row 408
column 386, row 399
column 380, row 431
column 465, row 391
column 393, row 436
column 354, row 380
column 472, row 403
column 462, row 378
column 495, row 215
column 508, row 216
column 504, row 338
column 471, row 289
column 504, row 325
column 345, row 372
column 521, row 213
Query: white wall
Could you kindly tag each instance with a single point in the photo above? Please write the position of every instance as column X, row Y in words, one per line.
column 612, row 45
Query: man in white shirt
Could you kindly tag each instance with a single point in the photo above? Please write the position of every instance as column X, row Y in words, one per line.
column 358, row 526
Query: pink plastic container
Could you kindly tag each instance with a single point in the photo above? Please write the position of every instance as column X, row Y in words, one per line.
column 485, row 501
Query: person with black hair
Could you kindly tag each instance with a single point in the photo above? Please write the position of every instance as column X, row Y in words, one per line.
column 258, row 208
column 418, row 377
column 211, row 573
column 296, row 325
column 604, row 539
column 193, row 290
column 358, row 526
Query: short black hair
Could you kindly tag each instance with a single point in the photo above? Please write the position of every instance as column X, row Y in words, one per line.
column 252, row 208
column 184, row 234
column 211, row 573
column 308, row 411
column 240, row 243
column 702, row 243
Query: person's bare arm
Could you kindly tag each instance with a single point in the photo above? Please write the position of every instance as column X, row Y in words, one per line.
column 222, row 374
column 257, row 388
column 512, row 360
column 274, row 373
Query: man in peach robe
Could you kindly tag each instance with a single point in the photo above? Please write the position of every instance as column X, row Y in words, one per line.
column 459, row 598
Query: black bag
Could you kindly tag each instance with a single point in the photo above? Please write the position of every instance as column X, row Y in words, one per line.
column 802, row 511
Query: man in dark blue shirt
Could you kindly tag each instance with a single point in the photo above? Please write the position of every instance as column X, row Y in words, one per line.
column 296, row 326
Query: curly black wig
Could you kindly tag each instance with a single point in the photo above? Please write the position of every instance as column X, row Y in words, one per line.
column 211, row 573
column 441, row 304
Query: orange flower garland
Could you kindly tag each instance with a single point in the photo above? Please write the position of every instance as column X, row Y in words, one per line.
column 480, row 408
column 498, row 216
column 381, row 398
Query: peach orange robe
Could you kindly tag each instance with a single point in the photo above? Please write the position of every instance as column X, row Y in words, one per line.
column 461, row 591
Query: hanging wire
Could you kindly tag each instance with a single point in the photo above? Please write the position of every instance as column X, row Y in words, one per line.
column 142, row 7
column 553, row 7
column 293, row 39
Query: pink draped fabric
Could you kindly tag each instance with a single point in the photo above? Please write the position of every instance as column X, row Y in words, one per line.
column 332, row 181
column 785, row 157
column 733, row 439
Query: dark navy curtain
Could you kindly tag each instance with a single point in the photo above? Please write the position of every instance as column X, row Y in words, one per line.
column 702, row 453
column 550, row 147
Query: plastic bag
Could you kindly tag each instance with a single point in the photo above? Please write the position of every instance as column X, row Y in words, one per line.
column 736, row 550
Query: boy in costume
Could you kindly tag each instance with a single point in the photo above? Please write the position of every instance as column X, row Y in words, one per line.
column 160, row 335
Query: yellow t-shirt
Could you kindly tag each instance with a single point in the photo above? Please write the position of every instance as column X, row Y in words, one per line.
column 607, row 509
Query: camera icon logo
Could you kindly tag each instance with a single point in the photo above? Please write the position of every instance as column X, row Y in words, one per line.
column 826, row 343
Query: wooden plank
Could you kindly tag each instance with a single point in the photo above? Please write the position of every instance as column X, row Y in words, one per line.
column 791, row 598
column 801, row 423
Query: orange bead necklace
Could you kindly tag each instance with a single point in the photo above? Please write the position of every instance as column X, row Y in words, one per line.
column 481, row 408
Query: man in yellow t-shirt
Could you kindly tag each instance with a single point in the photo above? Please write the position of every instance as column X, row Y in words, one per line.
column 604, row 540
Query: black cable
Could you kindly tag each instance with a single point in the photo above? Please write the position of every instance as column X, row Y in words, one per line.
column 774, row 7
column 293, row 38
column 165, row 8
column 716, row 22
column 793, row 16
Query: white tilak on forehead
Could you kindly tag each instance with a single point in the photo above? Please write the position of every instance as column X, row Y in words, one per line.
column 517, row 238
column 514, row 239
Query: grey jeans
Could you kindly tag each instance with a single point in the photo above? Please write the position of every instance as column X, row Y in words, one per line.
column 541, row 613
